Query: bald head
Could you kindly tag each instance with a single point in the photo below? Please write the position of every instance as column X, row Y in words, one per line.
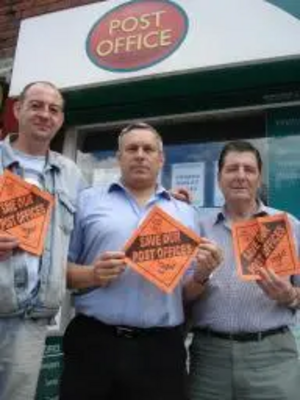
column 32, row 85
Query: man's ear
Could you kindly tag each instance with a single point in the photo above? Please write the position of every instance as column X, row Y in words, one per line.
column 162, row 159
column 16, row 109
column 62, row 119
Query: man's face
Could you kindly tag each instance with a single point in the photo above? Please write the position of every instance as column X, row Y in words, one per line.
column 140, row 158
column 239, row 178
column 40, row 113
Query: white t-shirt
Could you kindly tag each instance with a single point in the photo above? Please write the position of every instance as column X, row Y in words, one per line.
column 33, row 167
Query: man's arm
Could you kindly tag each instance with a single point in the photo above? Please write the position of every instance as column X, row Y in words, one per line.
column 207, row 260
column 193, row 289
column 101, row 273
column 80, row 276
column 278, row 289
column 284, row 291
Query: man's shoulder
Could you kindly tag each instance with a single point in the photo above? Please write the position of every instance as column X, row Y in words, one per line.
column 183, row 206
column 69, row 171
column 94, row 191
column 4, row 148
column 274, row 211
column 294, row 222
column 210, row 215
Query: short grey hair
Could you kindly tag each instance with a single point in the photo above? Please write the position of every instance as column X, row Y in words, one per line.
column 140, row 125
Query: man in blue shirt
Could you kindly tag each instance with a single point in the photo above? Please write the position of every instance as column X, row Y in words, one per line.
column 126, row 339
column 242, row 347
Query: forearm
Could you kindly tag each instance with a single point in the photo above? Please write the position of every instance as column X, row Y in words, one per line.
column 208, row 258
column 193, row 289
column 80, row 276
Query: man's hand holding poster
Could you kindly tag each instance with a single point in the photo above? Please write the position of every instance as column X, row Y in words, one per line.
column 265, row 242
column 24, row 212
column 161, row 249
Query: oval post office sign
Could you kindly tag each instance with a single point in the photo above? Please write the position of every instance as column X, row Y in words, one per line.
column 136, row 35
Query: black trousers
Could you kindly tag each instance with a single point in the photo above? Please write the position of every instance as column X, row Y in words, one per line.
column 105, row 363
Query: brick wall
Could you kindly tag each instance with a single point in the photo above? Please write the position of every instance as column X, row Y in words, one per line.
column 13, row 11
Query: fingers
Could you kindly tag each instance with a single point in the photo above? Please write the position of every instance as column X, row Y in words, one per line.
column 275, row 287
column 182, row 194
column 112, row 255
column 208, row 258
column 108, row 267
column 269, row 281
column 7, row 244
column 209, row 253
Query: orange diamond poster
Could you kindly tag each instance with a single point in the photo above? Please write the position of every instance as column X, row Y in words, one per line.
column 24, row 212
column 161, row 249
column 265, row 242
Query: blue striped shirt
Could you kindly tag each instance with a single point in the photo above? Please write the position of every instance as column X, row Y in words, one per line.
column 230, row 304
column 105, row 220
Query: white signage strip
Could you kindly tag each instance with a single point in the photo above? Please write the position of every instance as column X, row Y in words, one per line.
column 216, row 34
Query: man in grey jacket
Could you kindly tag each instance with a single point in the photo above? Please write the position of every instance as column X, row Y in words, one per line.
column 32, row 287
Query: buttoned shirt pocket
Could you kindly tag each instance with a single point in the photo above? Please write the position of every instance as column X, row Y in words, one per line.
column 67, row 213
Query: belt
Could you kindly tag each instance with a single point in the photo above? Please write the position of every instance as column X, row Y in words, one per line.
column 124, row 331
column 241, row 336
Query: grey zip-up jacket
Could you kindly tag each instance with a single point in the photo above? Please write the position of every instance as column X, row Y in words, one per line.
column 64, row 181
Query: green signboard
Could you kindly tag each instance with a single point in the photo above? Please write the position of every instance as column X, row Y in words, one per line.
column 48, row 385
column 283, row 129
column 290, row 6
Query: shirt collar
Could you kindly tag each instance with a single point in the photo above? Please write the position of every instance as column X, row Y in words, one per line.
column 160, row 190
column 9, row 158
column 262, row 211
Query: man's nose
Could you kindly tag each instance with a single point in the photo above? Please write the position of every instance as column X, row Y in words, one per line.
column 44, row 112
column 241, row 172
column 140, row 152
